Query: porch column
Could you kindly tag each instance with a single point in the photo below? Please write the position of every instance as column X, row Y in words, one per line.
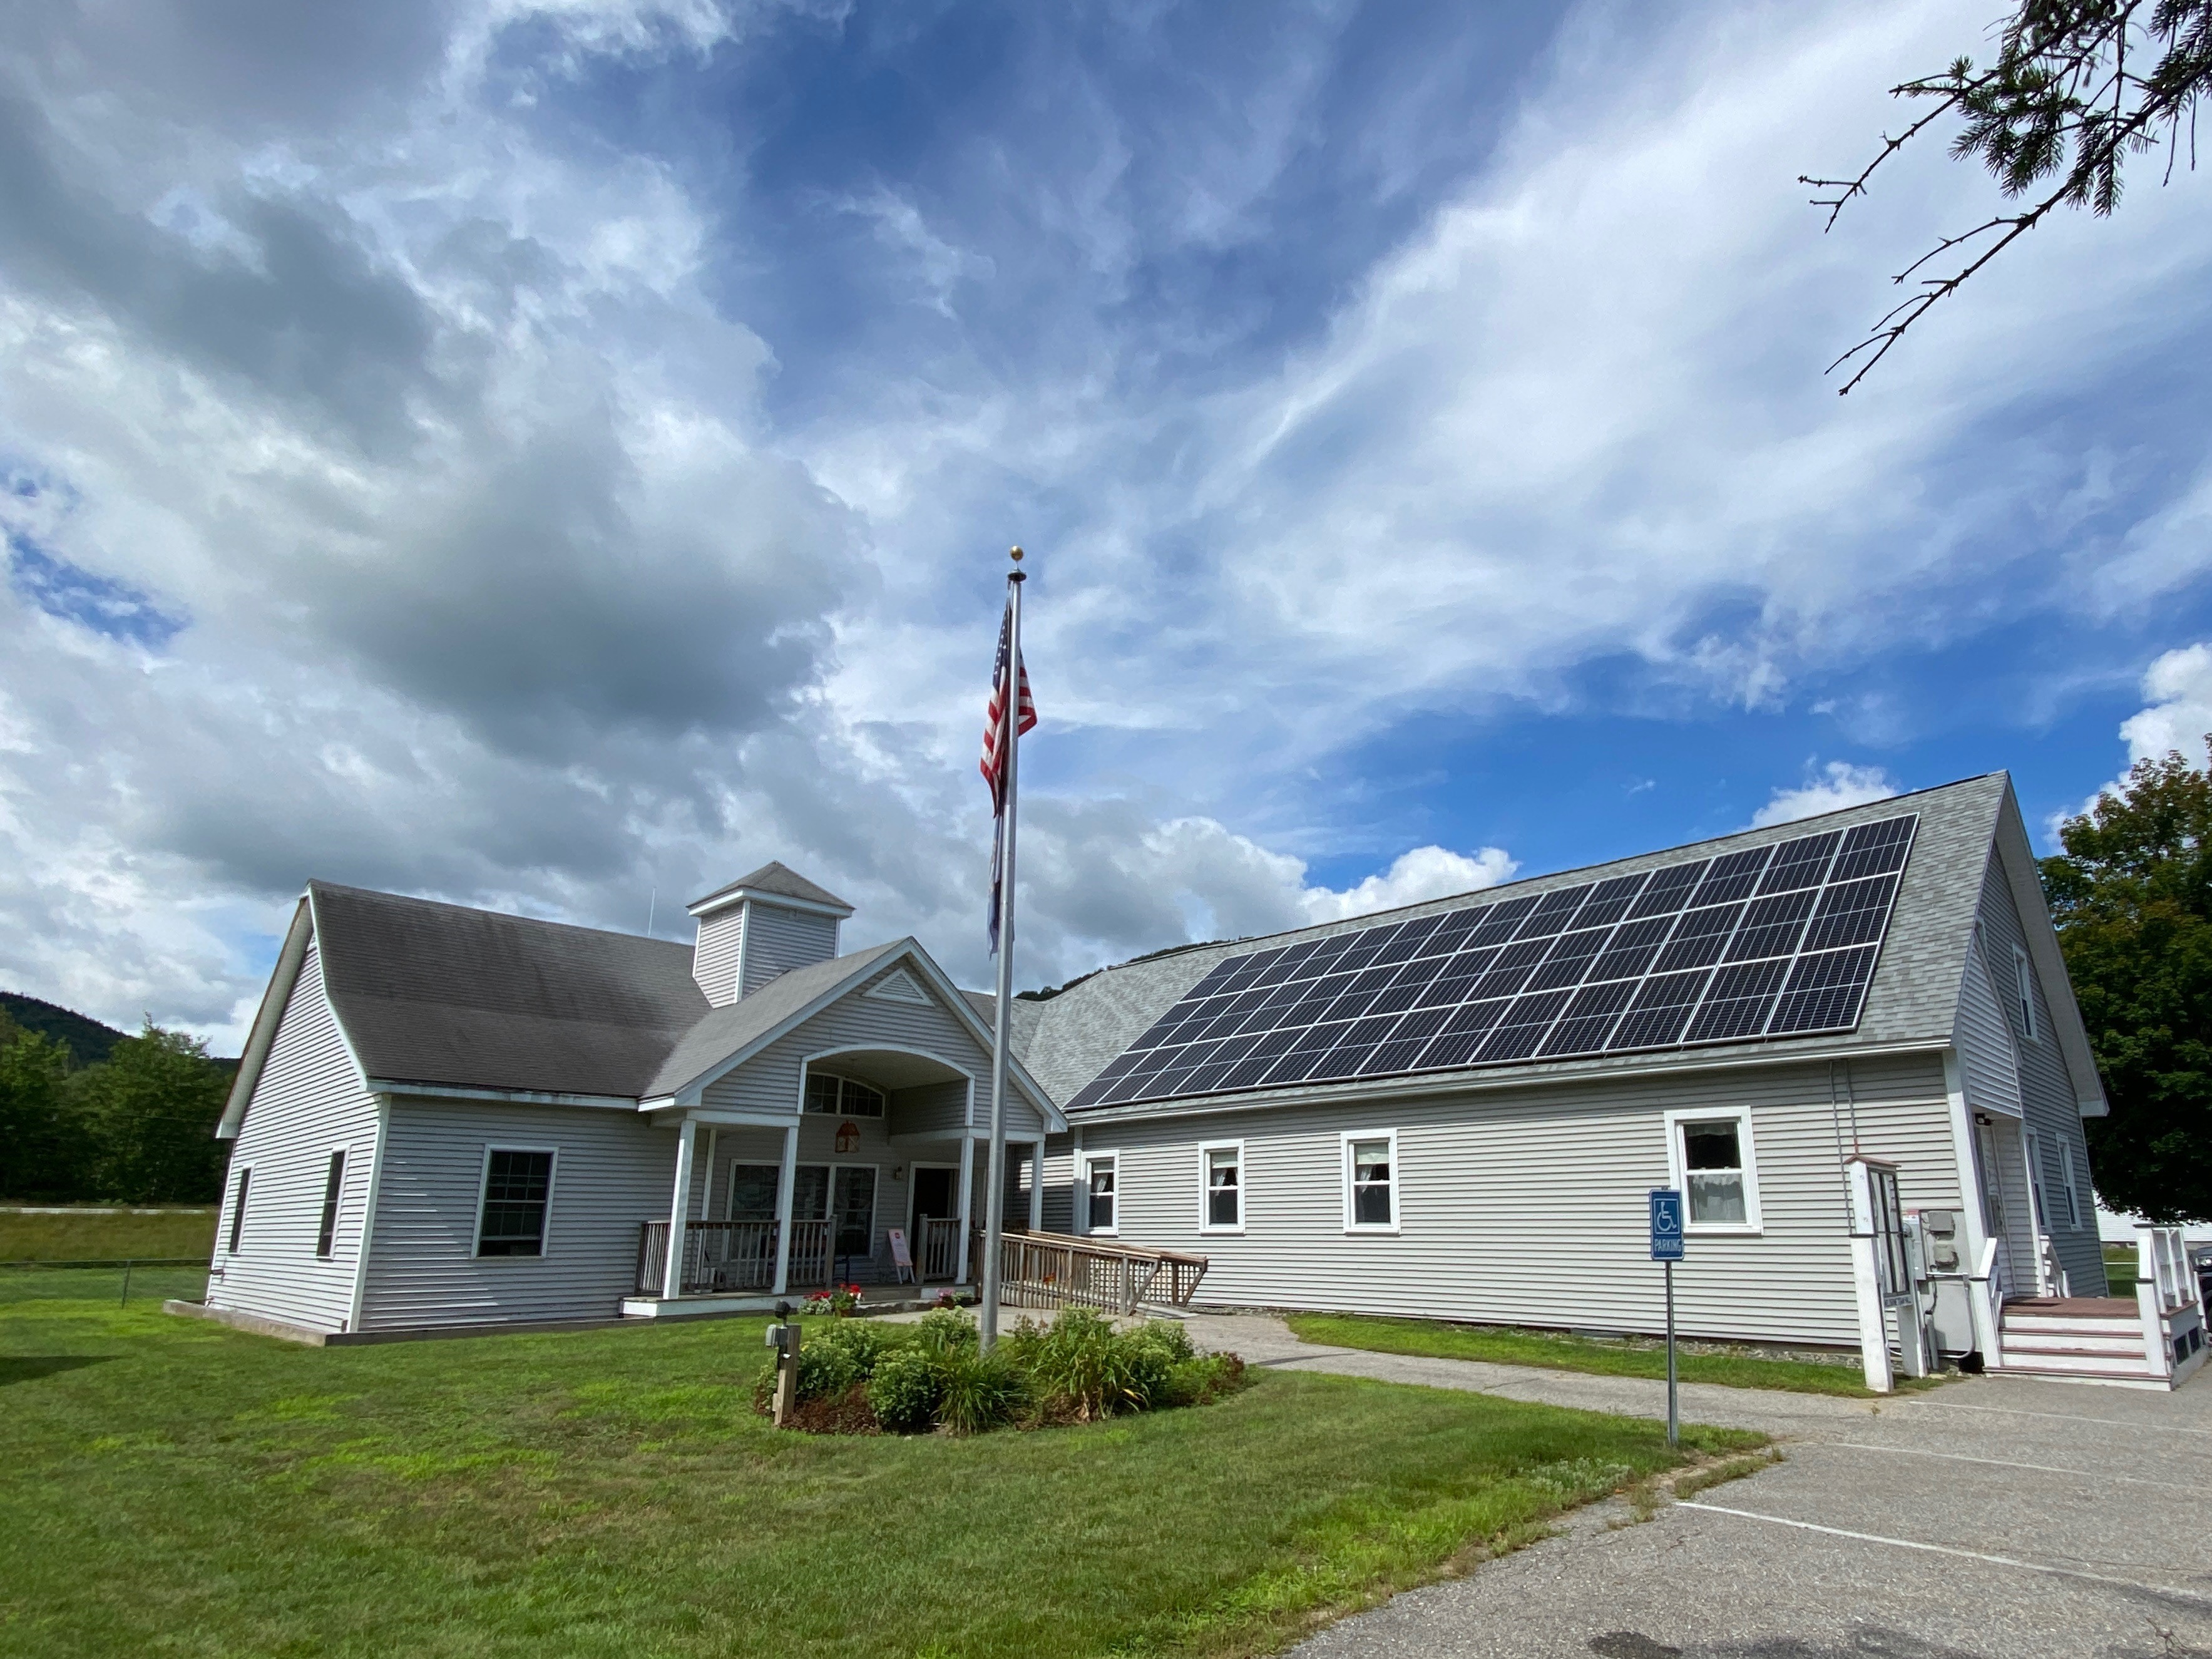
column 679, row 1208
column 967, row 1202
column 1036, row 1186
column 787, row 1183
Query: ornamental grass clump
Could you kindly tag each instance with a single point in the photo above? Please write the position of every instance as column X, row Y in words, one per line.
column 982, row 1391
column 1079, row 1364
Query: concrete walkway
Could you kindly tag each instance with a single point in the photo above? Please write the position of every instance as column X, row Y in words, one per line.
column 1997, row 1517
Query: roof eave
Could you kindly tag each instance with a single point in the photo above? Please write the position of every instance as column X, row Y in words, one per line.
column 263, row 1035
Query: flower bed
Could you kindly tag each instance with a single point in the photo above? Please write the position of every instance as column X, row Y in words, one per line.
column 861, row 1377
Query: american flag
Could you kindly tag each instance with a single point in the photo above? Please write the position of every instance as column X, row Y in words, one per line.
column 995, row 744
column 998, row 746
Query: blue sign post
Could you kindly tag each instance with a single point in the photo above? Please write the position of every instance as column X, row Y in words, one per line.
column 1667, row 1248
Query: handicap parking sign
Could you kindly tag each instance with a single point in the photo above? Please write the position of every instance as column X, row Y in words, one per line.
column 1666, row 1225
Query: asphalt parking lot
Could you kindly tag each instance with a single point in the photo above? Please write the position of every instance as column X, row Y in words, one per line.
column 1991, row 1518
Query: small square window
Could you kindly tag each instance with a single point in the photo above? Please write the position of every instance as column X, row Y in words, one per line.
column 1224, row 1189
column 518, row 1186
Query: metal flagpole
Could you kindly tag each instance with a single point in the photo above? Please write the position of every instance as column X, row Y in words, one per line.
column 995, row 1199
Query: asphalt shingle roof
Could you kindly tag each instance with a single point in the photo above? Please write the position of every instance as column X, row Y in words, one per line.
column 441, row 993
column 777, row 878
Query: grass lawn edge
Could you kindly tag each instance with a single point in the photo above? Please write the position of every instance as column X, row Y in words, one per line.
column 1501, row 1344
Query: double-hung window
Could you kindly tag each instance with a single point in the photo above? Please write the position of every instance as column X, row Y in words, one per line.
column 1221, row 1202
column 333, row 1184
column 1710, row 1157
column 518, row 1188
column 1098, row 1187
column 1370, row 1183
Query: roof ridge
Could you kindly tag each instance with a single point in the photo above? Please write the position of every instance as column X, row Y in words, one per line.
column 315, row 885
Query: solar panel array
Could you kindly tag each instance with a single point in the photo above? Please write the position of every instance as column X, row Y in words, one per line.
column 1772, row 941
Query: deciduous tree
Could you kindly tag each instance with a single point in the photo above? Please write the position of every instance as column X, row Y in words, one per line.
column 2132, row 898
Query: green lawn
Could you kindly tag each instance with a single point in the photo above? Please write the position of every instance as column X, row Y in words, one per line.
column 83, row 1234
column 167, row 1485
column 1504, row 1346
column 2122, row 1263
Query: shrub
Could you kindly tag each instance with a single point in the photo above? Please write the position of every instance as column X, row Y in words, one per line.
column 864, row 1340
column 905, row 1389
column 1201, row 1380
column 1168, row 1336
column 1078, row 1363
column 981, row 1391
column 947, row 1331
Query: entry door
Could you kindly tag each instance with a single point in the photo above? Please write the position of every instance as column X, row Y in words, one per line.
column 936, row 1198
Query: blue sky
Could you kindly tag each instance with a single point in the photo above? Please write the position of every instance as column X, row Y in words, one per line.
column 545, row 455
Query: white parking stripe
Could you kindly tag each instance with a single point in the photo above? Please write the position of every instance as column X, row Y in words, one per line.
column 1946, row 1549
column 2098, row 1475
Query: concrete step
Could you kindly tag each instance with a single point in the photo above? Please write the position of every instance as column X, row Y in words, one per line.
column 2077, row 1364
column 2084, row 1323
column 2070, row 1342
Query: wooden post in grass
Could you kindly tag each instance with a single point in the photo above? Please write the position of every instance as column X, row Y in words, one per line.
column 783, row 1337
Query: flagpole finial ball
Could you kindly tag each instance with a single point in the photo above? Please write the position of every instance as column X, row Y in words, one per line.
column 1015, row 554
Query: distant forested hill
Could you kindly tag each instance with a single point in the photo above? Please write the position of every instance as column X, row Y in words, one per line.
column 86, row 1040
column 89, row 1112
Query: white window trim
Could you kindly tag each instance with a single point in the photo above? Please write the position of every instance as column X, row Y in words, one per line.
column 337, row 1206
column 2067, row 1176
column 1090, row 1160
column 2023, row 994
column 1345, row 1140
column 234, row 1225
column 1204, row 1191
column 483, row 1184
column 1678, row 1173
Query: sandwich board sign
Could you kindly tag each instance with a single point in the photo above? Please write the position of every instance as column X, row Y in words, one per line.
column 1666, row 1225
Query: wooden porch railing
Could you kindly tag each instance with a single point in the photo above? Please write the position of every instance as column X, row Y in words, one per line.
column 724, row 1258
column 938, row 1239
column 1053, row 1270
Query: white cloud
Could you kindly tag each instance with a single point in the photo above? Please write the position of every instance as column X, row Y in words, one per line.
column 2178, row 691
column 1425, row 872
column 458, row 432
column 1829, row 788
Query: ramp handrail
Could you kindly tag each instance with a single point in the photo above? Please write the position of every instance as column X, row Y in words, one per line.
column 1056, row 1270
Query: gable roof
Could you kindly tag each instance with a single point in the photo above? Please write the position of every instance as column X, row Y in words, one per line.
column 1911, row 1002
column 441, row 993
column 772, row 880
column 729, row 1036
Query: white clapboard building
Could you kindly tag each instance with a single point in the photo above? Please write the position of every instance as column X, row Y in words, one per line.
column 1849, row 1042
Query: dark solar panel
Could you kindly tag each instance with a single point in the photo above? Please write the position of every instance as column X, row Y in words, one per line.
column 1772, row 940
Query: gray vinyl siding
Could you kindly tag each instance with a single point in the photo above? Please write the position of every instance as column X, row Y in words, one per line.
column 714, row 957
column 769, row 1081
column 778, row 940
column 1527, row 1205
column 1058, row 1184
column 938, row 1109
column 2047, row 1094
column 612, row 1170
column 309, row 1102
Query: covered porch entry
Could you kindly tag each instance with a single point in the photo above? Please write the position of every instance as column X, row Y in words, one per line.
column 883, row 1141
